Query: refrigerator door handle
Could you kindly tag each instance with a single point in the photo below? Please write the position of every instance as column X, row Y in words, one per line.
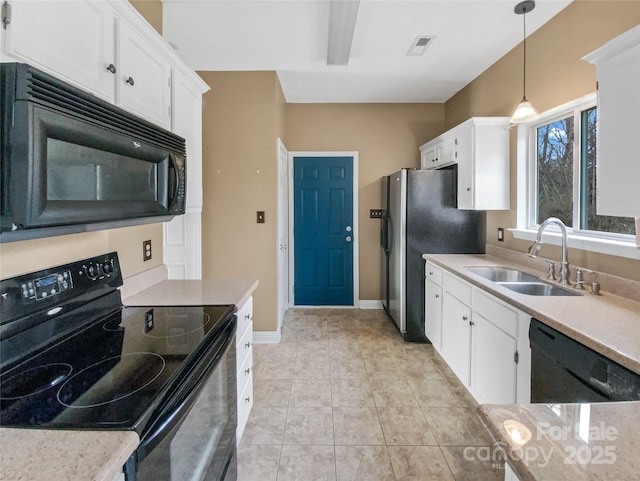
column 384, row 234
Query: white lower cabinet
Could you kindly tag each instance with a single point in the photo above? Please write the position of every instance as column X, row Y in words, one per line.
column 456, row 336
column 433, row 305
column 485, row 341
column 494, row 367
column 244, row 365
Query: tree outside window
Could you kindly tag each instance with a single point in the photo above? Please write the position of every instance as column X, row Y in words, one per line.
column 555, row 164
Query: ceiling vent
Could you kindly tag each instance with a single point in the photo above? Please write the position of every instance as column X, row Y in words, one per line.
column 419, row 45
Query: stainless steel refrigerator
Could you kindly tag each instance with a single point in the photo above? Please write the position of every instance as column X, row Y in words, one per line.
column 420, row 217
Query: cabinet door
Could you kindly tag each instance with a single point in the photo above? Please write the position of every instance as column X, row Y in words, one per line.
column 73, row 40
column 456, row 336
column 144, row 77
column 493, row 364
column 618, row 168
column 429, row 157
column 187, row 122
column 433, row 314
column 463, row 144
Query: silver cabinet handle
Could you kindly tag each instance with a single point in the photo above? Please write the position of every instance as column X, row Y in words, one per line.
column 111, row 68
column 348, row 238
column 130, row 81
column 348, row 228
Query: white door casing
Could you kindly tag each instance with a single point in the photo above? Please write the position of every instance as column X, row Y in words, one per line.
column 283, row 231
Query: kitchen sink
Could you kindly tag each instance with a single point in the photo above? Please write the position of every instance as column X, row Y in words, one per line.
column 520, row 282
column 538, row 289
column 503, row 274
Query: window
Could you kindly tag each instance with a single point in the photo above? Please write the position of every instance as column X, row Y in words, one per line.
column 564, row 180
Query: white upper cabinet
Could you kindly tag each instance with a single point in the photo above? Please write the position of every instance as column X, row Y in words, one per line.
column 480, row 148
column 618, row 170
column 72, row 40
column 187, row 122
column 105, row 48
column 144, row 77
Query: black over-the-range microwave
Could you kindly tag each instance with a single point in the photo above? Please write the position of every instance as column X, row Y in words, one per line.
column 72, row 162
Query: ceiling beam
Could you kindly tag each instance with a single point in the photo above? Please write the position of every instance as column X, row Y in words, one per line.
column 343, row 15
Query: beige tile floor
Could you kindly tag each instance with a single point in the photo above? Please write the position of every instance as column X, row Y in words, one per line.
column 343, row 398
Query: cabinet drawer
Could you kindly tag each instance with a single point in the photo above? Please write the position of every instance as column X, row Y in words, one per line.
column 433, row 273
column 245, row 402
column 244, row 345
column 496, row 312
column 245, row 316
column 457, row 287
column 245, row 373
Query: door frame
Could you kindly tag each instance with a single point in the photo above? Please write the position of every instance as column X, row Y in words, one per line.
column 356, row 231
column 283, row 232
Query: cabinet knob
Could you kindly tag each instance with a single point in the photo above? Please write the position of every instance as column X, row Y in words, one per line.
column 247, row 317
column 471, row 323
column 111, row 68
column 468, row 189
column 430, row 273
column 130, row 81
column 465, row 318
column 247, row 371
column 437, row 296
column 247, row 345
column 247, row 400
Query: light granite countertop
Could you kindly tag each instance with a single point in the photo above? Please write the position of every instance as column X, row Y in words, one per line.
column 576, row 442
column 61, row 455
column 194, row 293
column 188, row 292
column 607, row 323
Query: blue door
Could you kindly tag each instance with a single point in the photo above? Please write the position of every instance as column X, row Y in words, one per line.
column 323, row 231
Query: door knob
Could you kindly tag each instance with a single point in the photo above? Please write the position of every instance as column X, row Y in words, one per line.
column 348, row 238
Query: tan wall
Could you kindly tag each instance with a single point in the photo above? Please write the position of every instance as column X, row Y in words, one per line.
column 151, row 10
column 241, row 121
column 555, row 75
column 386, row 136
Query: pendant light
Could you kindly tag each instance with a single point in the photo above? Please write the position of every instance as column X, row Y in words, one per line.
column 525, row 110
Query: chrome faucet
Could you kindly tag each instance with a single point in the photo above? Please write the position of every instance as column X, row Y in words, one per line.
column 535, row 247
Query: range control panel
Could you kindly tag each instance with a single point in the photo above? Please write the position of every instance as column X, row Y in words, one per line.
column 56, row 286
column 47, row 286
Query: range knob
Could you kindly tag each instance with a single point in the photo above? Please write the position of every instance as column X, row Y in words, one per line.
column 107, row 267
column 92, row 271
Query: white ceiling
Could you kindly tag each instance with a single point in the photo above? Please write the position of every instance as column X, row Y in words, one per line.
column 290, row 37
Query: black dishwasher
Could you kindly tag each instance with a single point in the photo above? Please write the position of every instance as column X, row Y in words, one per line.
column 565, row 371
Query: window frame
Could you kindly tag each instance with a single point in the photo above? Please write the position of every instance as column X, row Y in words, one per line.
column 623, row 245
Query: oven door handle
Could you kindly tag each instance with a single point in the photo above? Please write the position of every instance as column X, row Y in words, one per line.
column 171, row 417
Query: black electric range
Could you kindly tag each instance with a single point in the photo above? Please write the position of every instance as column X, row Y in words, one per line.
column 71, row 356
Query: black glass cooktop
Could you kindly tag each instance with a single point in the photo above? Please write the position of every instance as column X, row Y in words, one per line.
column 110, row 374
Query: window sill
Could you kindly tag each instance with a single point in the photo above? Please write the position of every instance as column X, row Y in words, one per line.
column 583, row 242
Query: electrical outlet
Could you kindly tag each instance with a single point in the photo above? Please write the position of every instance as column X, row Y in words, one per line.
column 146, row 250
column 375, row 214
column 500, row 234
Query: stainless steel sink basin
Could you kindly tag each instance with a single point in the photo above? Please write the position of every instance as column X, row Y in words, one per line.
column 503, row 274
column 538, row 289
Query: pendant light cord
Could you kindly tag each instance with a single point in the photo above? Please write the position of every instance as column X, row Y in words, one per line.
column 524, row 69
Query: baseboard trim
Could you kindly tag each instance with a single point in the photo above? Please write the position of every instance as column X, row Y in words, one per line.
column 370, row 304
column 266, row 337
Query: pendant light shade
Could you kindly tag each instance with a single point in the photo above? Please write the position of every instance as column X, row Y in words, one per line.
column 525, row 110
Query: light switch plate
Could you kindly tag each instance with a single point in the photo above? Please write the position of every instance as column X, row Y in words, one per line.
column 260, row 217
column 500, row 234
